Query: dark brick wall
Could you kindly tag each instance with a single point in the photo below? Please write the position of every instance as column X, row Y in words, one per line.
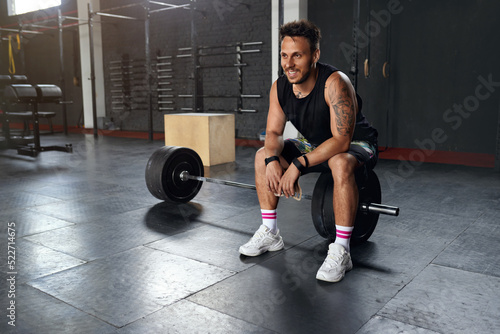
column 219, row 22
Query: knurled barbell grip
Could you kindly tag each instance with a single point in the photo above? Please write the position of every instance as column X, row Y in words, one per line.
column 186, row 176
column 366, row 207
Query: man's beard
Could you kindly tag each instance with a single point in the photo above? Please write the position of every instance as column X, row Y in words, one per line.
column 304, row 78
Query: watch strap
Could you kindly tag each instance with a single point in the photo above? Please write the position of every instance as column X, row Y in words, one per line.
column 306, row 160
column 271, row 159
column 297, row 164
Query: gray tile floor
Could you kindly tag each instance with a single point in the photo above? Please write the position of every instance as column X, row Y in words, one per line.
column 96, row 253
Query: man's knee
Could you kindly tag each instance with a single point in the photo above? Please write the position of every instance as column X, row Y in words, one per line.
column 260, row 157
column 343, row 165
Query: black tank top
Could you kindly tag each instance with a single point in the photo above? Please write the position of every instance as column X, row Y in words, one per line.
column 311, row 115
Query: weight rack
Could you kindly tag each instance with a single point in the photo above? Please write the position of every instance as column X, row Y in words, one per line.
column 129, row 80
column 238, row 49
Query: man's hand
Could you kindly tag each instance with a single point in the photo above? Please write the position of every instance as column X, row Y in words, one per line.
column 274, row 171
column 288, row 180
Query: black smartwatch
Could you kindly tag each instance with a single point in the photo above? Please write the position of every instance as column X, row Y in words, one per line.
column 271, row 159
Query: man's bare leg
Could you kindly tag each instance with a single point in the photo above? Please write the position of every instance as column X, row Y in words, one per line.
column 267, row 237
column 267, row 200
column 345, row 204
column 345, row 189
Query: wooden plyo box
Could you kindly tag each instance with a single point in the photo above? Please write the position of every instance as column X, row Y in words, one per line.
column 210, row 135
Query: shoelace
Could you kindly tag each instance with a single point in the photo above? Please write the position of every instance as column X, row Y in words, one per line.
column 335, row 259
column 257, row 237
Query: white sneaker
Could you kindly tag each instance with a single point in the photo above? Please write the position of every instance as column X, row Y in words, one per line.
column 337, row 263
column 262, row 241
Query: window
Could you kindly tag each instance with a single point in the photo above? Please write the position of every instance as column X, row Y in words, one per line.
column 16, row 7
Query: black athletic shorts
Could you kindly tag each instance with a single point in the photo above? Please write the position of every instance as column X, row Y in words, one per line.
column 365, row 152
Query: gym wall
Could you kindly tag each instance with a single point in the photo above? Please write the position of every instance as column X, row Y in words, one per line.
column 443, row 89
column 442, row 92
column 217, row 23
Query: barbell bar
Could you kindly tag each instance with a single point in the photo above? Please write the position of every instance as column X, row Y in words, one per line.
column 364, row 207
column 185, row 176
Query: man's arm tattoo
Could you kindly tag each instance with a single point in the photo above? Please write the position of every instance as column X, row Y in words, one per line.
column 344, row 110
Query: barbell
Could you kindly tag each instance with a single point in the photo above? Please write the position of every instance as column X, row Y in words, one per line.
column 176, row 174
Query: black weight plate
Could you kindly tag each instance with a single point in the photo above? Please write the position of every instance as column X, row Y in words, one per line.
column 366, row 222
column 322, row 208
column 163, row 174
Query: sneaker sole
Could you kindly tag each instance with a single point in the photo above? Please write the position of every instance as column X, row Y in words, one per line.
column 324, row 279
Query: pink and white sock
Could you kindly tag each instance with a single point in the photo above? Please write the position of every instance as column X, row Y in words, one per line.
column 269, row 220
column 343, row 236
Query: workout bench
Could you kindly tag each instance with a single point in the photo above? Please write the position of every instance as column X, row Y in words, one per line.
column 23, row 116
column 23, row 93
